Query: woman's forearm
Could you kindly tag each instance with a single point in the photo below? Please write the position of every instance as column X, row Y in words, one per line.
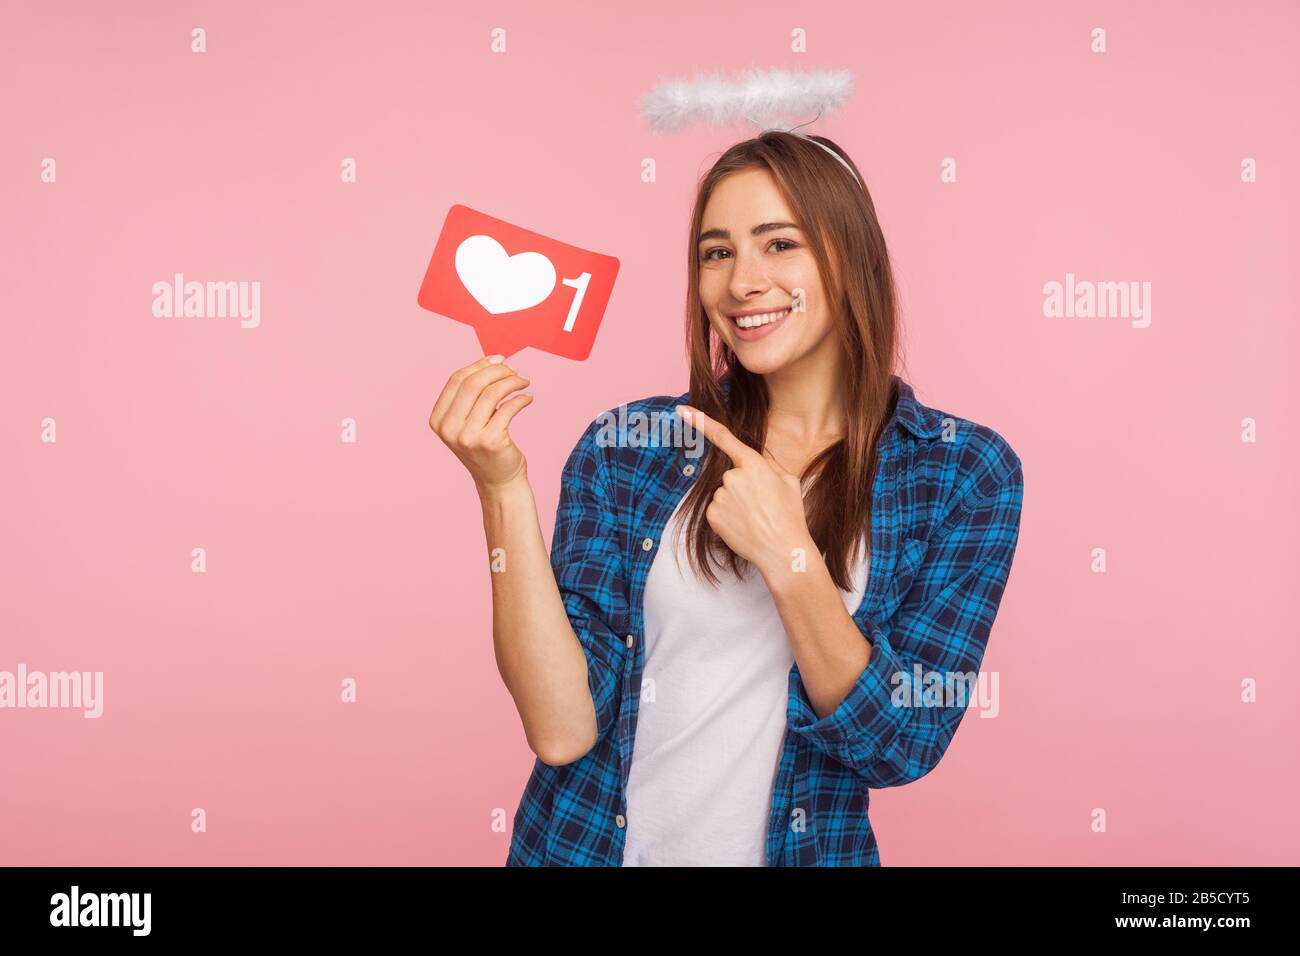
column 827, row 644
column 537, row 653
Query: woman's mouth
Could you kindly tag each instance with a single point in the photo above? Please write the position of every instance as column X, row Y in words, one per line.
column 751, row 327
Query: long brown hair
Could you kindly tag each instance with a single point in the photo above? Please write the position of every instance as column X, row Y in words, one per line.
column 839, row 221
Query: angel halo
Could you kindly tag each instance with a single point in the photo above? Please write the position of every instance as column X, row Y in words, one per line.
column 765, row 99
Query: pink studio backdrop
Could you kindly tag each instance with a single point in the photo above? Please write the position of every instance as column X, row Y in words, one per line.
column 328, row 560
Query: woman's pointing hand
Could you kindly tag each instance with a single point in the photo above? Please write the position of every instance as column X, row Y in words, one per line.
column 758, row 510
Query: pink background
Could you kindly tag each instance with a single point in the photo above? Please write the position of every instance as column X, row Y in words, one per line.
column 328, row 560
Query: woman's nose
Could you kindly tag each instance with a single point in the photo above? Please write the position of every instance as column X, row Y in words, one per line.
column 748, row 274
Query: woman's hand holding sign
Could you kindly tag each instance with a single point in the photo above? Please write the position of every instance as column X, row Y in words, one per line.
column 468, row 420
column 537, row 651
column 758, row 510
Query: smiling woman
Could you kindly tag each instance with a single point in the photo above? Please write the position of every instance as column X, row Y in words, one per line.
column 773, row 216
column 705, row 664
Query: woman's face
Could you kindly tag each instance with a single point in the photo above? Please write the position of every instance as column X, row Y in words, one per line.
column 752, row 258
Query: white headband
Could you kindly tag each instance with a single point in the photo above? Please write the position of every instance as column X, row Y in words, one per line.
column 766, row 99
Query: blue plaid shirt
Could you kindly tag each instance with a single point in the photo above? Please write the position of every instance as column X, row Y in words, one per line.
column 945, row 520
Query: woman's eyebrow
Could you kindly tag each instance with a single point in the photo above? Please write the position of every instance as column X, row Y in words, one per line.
column 756, row 231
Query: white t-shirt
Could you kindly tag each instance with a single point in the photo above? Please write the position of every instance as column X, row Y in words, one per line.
column 713, row 713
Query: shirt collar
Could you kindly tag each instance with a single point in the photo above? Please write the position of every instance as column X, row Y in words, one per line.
column 920, row 420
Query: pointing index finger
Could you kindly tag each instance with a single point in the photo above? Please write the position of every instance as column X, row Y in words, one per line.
column 719, row 434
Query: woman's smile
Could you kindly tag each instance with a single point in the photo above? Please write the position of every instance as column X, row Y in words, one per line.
column 749, row 328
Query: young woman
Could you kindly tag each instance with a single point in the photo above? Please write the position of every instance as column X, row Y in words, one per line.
column 723, row 652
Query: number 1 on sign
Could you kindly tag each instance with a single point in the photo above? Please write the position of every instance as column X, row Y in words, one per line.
column 580, row 284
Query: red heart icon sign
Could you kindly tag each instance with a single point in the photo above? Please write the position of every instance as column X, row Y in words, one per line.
column 517, row 287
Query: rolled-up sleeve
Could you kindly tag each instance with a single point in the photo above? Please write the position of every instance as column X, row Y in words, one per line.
column 590, row 572
column 886, row 729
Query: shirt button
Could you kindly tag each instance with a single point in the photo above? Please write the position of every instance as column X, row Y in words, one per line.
column 688, row 470
column 629, row 640
column 647, row 544
column 621, row 821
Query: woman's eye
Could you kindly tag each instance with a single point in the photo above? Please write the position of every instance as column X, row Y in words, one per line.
column 709, row 257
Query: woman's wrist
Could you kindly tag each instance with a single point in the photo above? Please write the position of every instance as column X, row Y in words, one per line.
column 779, row 570
column 491, row 493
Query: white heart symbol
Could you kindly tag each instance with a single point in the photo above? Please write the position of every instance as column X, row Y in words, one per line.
column 502, row 283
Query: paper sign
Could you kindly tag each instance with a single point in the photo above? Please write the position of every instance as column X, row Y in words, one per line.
column 516, row 287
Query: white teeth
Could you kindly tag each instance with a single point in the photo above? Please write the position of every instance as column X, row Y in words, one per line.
column 754, row 321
